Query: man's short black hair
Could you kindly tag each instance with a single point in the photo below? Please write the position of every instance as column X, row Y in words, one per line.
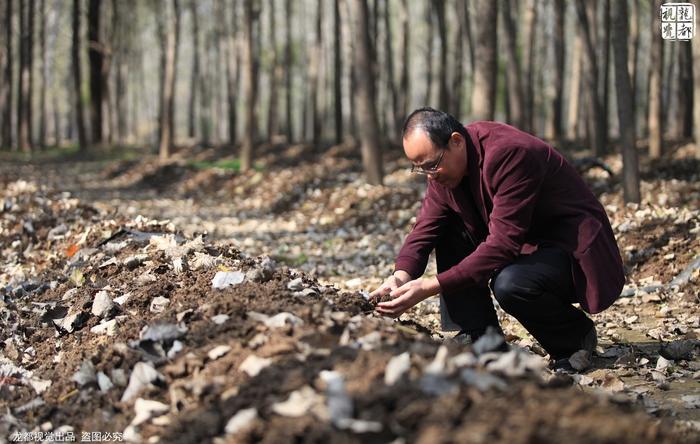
column 438, row 125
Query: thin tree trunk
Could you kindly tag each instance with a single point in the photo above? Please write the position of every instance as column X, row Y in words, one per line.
column 516, row 105
column 366, row 111
column 604, row 85
column 595, row 108
column 288, row 70
column 685, row 85
column 44, row 75
column 96, row 55
column 531, row 17
column 484, row 93
column 77, row 78
column 194, row 78
column 634, row 56
column 171, row 105
column 249, row 86
column 655, row 85
column 630, row 163
column 572, row 127
column 696, row 84
column 167, row 35
column 469, row 35
column 443, row 98
column 391, row 83
column 232, row 68
column 555, row 122
column 429, row 56
column 337, row 73
column 275, row 77
column 24, row 83
column 314, row 71
column 403, row 94
column 457, row 86
column 6, row 90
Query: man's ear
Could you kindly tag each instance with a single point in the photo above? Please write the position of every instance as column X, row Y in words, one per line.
column 456, row 137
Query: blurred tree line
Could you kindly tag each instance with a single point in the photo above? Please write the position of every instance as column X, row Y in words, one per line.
column 238, row 72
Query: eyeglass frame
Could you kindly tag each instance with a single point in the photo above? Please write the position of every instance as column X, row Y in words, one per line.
column 429, row 172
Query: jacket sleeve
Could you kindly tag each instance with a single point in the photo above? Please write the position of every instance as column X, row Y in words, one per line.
column 514, row 177
column 414, row 254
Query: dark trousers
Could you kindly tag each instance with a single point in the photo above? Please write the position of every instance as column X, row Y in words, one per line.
column 536, row 289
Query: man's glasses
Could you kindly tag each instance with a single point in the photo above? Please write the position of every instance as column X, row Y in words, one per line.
column 430, row 168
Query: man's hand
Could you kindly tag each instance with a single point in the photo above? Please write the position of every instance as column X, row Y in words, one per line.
column 408, row 295
column 393, row 282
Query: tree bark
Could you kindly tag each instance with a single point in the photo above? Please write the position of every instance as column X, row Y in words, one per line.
column 604, row 84
column 555, row 121
column 275, row 77
column 443, row 97
column 314, row 70
column 391, row 82
column 595, row 107
column 177, row 12
column 98, row 80
column 625, row 112
column 166, row 24
column 24, row 84
column 457, row 85
column 429, row 55
column 366, row 111
column 514, row 76
column 288, row 67
column 77, row 78
column 484, row 93
column 684, row 120
column 634, row 53
column 44, row 75
column 403, row 94
column 337, row 73
column 194, row 76
column 6, row 90
column 572, row 128
column 531, row 17
column 232, row 75
column 249, row 86
column 696, row 84
column 655, row 85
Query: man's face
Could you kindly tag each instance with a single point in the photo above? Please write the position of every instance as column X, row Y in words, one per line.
column 422, row 152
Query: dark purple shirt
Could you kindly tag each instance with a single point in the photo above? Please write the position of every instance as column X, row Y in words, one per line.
column 518, row 193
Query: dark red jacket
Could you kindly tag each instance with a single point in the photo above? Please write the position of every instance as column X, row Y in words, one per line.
column 524, row 194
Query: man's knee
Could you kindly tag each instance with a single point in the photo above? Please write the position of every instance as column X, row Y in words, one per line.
column 506, row 288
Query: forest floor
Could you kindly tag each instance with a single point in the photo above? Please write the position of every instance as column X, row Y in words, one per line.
column 111, row 322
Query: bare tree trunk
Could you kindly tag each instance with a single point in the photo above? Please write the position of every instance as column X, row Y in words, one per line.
column 514, row 73
column 457, row 85
column 655, row 85
column 6, row 89
column 275, row 77
column 194, row 78
column 98, row 85
column 288, row 70
column 44, row 75
column 555, row 122
column 77, row 78
column 337, row 74
column 443, row 98
column 403, row 94
column 429, row 56
column 595, row 108
column 468, row 35
column 171, row 105
column 24, row 85
column 391, row 83
column 366, row 111
column 484, row 94
column 166, row 23
column 314, row 70
column 232, row 71
column 634, row 56
column 696, row 85
column 605, row 69
column 684, row 120
column 249, row 88
column 630, row 163
column 572, row 127
column 530, row 34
